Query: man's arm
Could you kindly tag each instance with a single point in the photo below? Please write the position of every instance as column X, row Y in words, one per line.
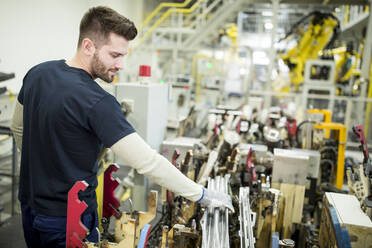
column 134, row 150
column 17, row 124
column 139, row 155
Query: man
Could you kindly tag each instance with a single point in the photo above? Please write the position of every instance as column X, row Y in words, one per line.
column 67, row 119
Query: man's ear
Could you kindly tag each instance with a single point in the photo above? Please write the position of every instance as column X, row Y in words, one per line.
column 88, row 47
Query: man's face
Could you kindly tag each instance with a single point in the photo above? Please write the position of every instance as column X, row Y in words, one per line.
column 108, row 58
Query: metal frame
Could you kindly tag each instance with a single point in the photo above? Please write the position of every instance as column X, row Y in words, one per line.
column 247, row 219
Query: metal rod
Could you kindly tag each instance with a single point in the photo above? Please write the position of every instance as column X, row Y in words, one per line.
column 215, row 223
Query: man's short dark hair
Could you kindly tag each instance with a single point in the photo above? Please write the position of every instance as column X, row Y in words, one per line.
column 100, row 21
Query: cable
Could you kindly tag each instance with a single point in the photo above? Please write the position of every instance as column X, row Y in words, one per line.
column 299, row 144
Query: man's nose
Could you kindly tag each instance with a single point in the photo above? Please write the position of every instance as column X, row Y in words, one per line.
column 119, row 64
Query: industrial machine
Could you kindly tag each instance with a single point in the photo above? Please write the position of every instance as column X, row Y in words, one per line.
column 257, row 157
column 314, row 32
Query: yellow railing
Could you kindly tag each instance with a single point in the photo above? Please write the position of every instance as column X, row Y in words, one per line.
column 157, row 10
column 162, row 18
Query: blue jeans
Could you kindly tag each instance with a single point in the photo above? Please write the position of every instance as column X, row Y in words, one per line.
column 42, row 231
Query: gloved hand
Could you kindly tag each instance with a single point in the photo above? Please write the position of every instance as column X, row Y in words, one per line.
column 211, row 198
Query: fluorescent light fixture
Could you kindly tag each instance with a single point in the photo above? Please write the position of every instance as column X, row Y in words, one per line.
column 260, row 58
column 243, row 71
column 267, row 13
column 268, row 25
column 219, row 54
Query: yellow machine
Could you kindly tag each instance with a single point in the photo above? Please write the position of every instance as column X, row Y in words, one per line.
column 319, row 35
column 339, row 133
column 346, row 67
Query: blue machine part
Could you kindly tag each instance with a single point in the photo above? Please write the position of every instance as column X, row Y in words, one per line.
column 275, row 240
column 341, row 233
column 145, row 232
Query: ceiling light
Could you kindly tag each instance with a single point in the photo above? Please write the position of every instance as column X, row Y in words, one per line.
column 268, row 25
column 267, row 13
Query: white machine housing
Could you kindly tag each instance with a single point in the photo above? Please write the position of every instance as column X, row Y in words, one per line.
column 290, row 167
column 149, row 103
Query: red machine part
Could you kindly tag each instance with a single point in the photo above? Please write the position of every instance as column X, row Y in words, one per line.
column 144, row 71
column 110, row 202
column 75, row 229
column 215, row 130
column 250, row 165
column 175, row 156
column 291, row 127
column 359, row 131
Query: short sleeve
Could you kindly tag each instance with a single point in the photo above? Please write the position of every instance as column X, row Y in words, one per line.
column 108, row 121
column 20, row 96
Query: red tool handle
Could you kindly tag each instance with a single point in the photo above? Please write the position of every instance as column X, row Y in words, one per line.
column 110, row 202
column 250, row 165
column 359, row 131
column 75, row 229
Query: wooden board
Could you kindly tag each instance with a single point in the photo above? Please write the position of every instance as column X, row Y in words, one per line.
column 293, row 196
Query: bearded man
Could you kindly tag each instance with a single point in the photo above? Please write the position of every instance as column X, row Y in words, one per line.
column 63, row 119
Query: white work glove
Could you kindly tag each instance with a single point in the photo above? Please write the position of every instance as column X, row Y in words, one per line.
column 211, row 198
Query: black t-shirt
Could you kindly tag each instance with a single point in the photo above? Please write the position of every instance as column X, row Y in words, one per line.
column 67, row 119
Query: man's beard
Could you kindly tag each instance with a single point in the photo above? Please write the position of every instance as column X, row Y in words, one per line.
column 99, row 70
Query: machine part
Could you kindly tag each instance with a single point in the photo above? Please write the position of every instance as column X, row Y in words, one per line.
column 247, row 219
column 183, row 144
column 207, row 168
column 339, row 135
column 359, row 131
column 275, row 240
column 178, row 236
column 185, row 163
column 145, row 233
column 286, row 243
column 243, row 126
column 272, row 135
column 314, row 161
column 231, row 163
column 339, row 234
column 298, row 132
column 75, row 229
column 128, row 227
column 290, row 167
column 343, row 223
column 367, row 163
column 359, row 185
column 110, row 202
column 328, row 161
column 176, row 155
column 250, row 166
column 215, row 221
column 231, row 140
